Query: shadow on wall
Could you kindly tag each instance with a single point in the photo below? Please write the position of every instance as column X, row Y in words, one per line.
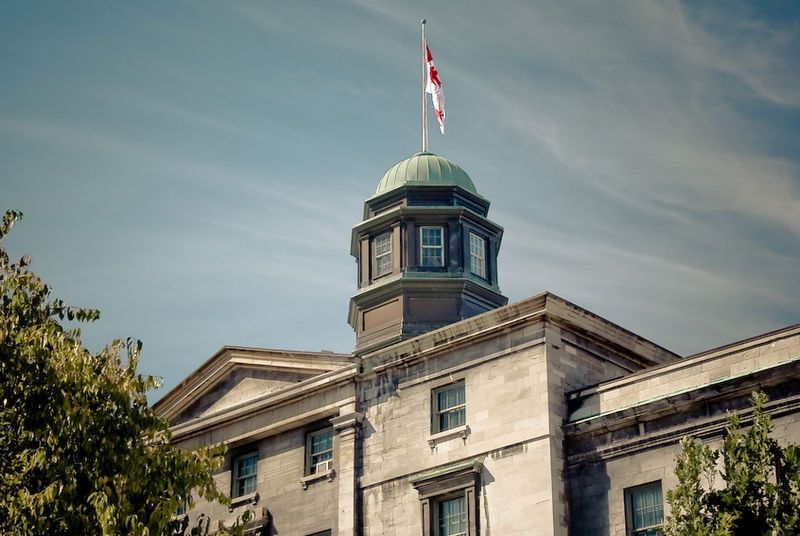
column 486, row 479
column 588, row 499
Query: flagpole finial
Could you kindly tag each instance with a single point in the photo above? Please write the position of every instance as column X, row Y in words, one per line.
column 423, row 21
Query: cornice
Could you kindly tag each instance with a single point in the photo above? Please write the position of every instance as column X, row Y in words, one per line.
column 269, row 401
column 231, row 357
column 679, row 401
column 542, row 307
column 702, row 429
column 687, row 362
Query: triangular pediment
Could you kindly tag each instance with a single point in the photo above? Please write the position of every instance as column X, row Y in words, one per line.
column 234, row 376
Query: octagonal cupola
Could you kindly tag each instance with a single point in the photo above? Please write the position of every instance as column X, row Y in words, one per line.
column 426, row 253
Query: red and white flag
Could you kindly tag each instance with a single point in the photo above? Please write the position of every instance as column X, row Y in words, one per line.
column 434, row 87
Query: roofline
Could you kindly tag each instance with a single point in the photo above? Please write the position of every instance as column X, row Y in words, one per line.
column 447, row 161
column 273, row 399
column 616, row 326
column 470, row 329
column 737, row 346
column 753, row 338
column 422, row 184
column 173, row 400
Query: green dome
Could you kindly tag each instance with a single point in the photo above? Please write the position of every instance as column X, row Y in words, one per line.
column 425, row 169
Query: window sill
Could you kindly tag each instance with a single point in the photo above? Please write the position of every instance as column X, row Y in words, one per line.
column 460, row 431
column 381, row 276
column 241, row 500
column 328, row 475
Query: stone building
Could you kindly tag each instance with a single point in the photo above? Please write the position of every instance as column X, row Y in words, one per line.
column 458, row 414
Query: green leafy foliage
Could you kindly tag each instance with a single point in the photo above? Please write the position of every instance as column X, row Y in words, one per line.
column 81, row 450
column 749, row 486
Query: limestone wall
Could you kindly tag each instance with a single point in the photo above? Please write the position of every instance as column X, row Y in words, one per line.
column 508, row 423
column 281, row 466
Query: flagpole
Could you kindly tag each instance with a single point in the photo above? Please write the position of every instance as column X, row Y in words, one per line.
column 424, row 101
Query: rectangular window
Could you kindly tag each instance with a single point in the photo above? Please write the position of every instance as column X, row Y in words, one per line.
column 449, row 499
column 644, row 509
column 319, row 451
column 244, row 474
column 477, row 255
column 449, row 407
column 383, row 254
column 431, row 246
column 452, row 517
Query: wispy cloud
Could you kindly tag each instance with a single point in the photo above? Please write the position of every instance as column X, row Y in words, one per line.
column 642, row 156
column 638, row 132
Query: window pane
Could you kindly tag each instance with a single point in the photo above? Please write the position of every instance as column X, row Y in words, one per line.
column 451, row 397
column 383, row 265
column 451, row 419
column 383, row 244
column 431, row 236
column 246, row 485
column 452, row 517
column 247, row 466
column 322, row 442
column 431, row 257
column 647, row 508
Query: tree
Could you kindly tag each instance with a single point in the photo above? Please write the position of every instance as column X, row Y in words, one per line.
column 760, row 483
column 81, row 450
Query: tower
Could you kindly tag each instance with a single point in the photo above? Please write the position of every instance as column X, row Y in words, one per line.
column 426, row 253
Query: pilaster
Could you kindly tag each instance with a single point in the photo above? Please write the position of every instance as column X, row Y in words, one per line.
column 347, row 427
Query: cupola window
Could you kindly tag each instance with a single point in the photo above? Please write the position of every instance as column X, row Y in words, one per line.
column 383, row 254
column 431, row 246
column 477, row 255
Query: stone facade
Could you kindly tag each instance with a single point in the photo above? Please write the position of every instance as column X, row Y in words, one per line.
column 625, row 432
column 563, row 411
column 537, row 417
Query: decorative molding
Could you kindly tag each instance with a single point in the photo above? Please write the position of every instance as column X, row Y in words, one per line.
column 228, row 357
column 250, row 498
column 460, row 431
column 458, row 478
column 328, row 475
column 350, row 420
column 698, row 428
column 271, row 400
column 448, row 477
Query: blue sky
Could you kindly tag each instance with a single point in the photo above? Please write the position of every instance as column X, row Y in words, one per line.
column 193, row 169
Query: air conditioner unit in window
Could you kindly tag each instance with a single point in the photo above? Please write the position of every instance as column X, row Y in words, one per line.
column 323, row 467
